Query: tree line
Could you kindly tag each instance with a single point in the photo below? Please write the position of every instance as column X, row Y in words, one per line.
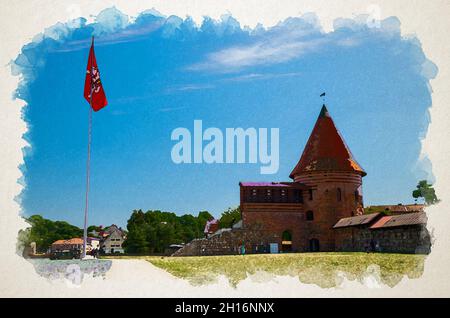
column 153, row 231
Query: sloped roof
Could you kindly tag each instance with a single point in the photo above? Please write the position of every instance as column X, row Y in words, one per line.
column 72, row 241
column 326, row 150
column 400, row 220
column 111, row 229
column 356, row 220
column 58, row 242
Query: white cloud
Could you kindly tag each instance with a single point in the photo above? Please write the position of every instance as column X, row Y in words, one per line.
column 286, row 41
column 189, row 87
column 260, row 76
column 269, row 51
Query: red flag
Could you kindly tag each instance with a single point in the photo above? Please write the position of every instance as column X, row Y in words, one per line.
column 93, row 89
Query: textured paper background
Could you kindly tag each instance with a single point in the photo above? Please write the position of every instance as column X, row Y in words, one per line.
column 21, row 20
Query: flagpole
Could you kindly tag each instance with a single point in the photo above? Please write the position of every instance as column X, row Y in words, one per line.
column 88, row 169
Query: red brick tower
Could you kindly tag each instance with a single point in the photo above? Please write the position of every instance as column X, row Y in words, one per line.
column 334, row 177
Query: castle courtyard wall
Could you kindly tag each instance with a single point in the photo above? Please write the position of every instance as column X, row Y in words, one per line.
column 407, row 239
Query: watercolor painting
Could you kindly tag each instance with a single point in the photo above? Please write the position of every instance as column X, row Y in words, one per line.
column 213, row 149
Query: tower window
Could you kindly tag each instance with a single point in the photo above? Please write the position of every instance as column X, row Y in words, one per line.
column 309, row 215
column 268, row 195
column 298, row 196
column 310, row 192
column 339, row 194
column 356, row 196
column 253, row 195
column 283, row 195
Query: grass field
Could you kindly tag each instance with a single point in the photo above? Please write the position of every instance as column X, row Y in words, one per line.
column 311, row 268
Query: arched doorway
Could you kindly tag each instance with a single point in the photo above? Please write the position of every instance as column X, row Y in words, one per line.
column 314, row 245
column 286, row 241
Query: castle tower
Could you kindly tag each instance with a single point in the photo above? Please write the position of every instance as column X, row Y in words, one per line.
column 334, row 179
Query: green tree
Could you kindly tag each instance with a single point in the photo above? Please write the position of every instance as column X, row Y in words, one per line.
column 93, row 228
column 137, row 239
column 154, row 231
column 426, row 191
column 230, row 217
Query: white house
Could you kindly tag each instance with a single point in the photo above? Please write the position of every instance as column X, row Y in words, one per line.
column 113, row 242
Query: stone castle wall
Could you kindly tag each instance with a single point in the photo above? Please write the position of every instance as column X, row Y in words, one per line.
column 407, row 239
column 228, row 242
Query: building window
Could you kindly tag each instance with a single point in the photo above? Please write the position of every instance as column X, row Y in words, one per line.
column 309, row 215
column 298, row 196
column 283, row 194
column 268, row 195
column 310, row 192
column 356, row 196
column 339, row 194
column 253, row 195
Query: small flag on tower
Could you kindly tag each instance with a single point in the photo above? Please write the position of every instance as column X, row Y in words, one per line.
column 93, row 89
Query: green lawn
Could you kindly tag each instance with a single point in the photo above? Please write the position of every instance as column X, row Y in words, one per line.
column 311, row 268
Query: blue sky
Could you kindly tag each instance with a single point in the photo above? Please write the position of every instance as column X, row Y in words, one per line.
column 162, row 73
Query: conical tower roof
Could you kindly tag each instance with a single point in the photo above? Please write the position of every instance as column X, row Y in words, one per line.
column 326, row 150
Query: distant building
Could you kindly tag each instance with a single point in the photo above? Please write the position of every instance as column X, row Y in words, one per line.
column 75, row 244
column 112, row 240
column 211, row 227
column 69, row 244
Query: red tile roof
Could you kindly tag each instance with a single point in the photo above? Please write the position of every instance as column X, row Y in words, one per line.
column 326, row 150
column 382, row 221
column 356, row 220
column 72, row 241
column 379, row 220
column 400, row 220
